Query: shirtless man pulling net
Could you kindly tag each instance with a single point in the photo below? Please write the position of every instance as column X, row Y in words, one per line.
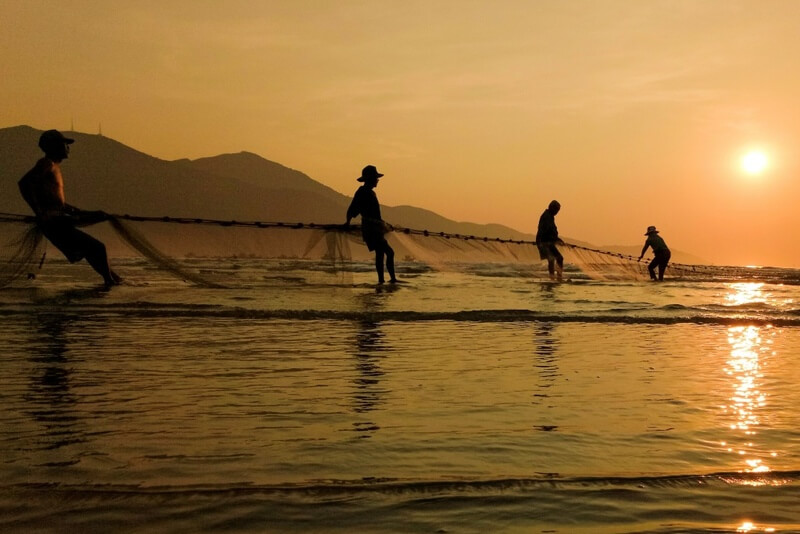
column 42, row 187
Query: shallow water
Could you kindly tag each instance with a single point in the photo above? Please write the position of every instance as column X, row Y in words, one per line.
column 300, row 400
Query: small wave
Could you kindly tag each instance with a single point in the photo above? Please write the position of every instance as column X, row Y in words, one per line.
column 623, row 303
column 406, row 486
column 758, row 306
column 140, row 309
column 674, row 307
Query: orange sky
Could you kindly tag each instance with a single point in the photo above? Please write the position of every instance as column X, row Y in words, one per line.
column 630, row 113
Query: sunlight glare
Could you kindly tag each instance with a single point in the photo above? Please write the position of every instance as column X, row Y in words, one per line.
column 749, row 526
column 746, row 293
column 754, row 162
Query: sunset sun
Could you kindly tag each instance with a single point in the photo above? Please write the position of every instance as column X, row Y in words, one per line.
column 754, row 162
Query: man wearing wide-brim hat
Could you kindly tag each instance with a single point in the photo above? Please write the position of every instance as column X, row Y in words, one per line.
column 373, row 228
column 660, row 251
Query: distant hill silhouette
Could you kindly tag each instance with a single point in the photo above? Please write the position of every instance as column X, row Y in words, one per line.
column 255, row 170
column 102, row 173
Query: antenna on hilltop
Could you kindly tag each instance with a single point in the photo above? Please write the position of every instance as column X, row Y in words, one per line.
column 72, row 124
column 100, row 129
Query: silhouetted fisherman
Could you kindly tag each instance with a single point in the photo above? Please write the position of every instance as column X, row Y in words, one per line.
column 660, row 251
column 42, row 187
column 547, row 239
column 373, row 228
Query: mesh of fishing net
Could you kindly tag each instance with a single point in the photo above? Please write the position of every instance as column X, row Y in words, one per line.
column 171, row 244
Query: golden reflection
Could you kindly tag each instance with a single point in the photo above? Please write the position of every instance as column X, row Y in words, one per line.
column 749, row 526
column 746, row 293
column 747, row 400
column 744, row 368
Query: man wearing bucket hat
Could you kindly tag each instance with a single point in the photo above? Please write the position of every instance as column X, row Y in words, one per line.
column 660, row 251
column 42, row 187
column 365, row 203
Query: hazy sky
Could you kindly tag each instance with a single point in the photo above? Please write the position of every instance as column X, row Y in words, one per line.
column 630, row 113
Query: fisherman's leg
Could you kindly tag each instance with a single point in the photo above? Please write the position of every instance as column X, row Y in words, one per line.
column 652, row 268
column 114, row 276
column 662, row 266
column 551, row 267
column 77, row 245
column 560, row 264
column 98, row 259
column 379, row 263
column 390, row 263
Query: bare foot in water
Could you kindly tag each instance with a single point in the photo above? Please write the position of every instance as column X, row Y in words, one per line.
column 113, row 279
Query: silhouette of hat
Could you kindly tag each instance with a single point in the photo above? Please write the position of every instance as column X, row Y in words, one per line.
column 52, row 138
column 369, row 172
column 651, row 230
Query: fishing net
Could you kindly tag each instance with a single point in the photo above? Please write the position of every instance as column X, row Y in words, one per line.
column 23, row 249
column 175, row 245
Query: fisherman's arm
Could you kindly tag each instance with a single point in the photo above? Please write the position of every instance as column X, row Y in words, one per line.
column 29, row 195
column 71, row 210
column 84, row 217
column 92, row 216
column 352, row 211
column 644, row 249
column 557, row 239
column 355, row 207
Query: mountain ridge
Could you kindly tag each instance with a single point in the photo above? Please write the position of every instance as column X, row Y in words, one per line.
column 243, row 185
column 103, row 173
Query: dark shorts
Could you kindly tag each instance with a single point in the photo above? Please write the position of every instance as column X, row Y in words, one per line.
column 660, row 258
column 73, row 243
column 548, row 251
column 374, row 237
column 376, row 242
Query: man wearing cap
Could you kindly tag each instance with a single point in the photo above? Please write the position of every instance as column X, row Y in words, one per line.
column 42, row 187
column 547, row 239
column 373, row 228
column 660, row 251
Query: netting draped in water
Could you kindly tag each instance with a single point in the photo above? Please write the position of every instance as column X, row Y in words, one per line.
column 172, row 244
column 146, row 249
column 23, row 248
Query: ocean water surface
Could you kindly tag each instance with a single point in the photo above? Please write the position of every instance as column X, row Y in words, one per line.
column 489, row 400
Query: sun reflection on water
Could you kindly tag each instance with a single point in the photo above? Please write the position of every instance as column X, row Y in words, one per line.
column 749, row 526
column 746, row 293
column 745, row 369
column 746, row 404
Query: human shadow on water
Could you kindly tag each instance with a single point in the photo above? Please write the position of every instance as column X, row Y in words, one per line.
column 369, row 348
column 50, row 399
column 546, row 345
column 546, row 360
column 69, row 296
